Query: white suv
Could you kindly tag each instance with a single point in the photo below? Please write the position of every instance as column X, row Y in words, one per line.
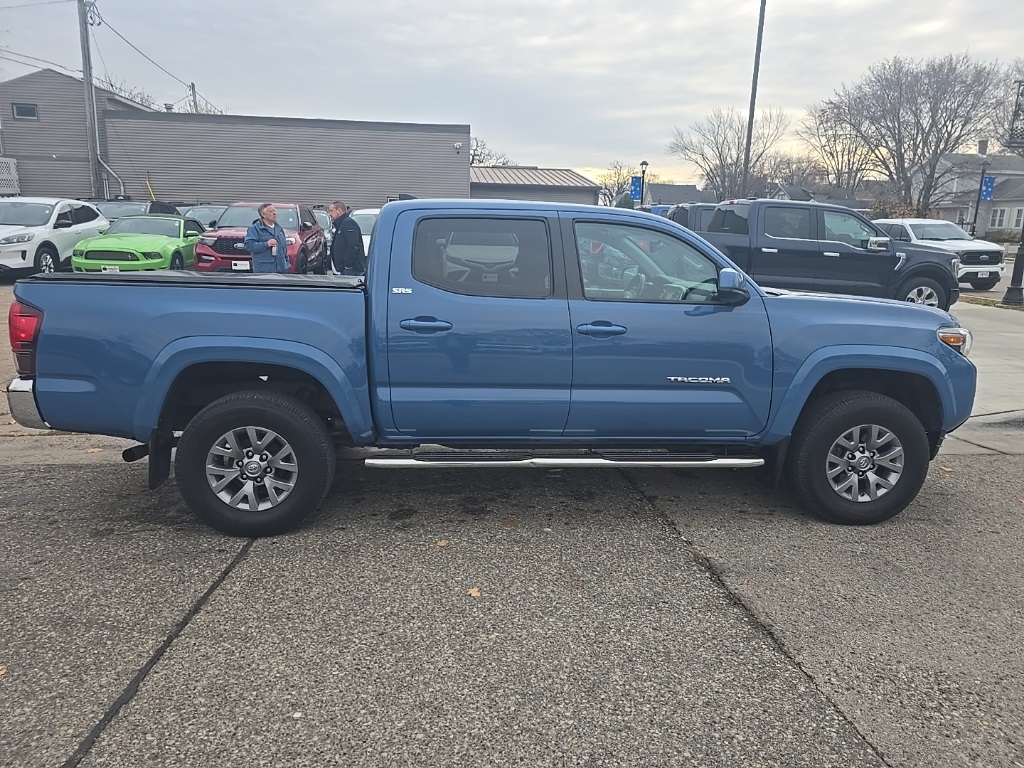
column 981, row 262
column 39, row 233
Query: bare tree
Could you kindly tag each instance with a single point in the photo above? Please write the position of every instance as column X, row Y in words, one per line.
column 793, row 170
column 715, row 144
column 616, row 180
column 481, row 154
column 911, row 113
column 1008, row 100
column 843, row 155
column 121, row 88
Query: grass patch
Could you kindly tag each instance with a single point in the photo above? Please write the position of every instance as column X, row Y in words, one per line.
column 989, row 302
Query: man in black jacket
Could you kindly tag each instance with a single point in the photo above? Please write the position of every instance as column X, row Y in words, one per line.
column 347, row 254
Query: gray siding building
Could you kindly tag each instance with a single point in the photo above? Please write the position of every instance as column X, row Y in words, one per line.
column 222, row 158
column 517, row 182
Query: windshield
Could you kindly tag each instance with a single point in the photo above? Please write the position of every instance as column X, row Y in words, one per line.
column 119, row 209
column 244, row 215
column 14, row 213
column 145, row 226
column 204, row 213
column 323, row 217
column 939, row 230
column 365, row 221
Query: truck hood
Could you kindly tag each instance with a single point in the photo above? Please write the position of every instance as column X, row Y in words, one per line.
column 963, row 245
column 886, row 306
column 126, row 242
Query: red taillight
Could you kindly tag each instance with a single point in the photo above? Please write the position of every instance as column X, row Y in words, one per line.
column 23, row 323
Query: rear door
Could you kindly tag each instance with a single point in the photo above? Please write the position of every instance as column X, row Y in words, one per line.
column 788, row 254
column 660, row 357
column 191, row 230
column 478, row 341
column 848, row 266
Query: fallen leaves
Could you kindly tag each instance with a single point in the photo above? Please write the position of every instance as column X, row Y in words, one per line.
column 3, row 671
column 474, row 592
column 443, row 543
column 946, row 469
column 94, row 450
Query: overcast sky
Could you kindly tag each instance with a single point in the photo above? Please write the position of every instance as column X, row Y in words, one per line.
column 558, row 83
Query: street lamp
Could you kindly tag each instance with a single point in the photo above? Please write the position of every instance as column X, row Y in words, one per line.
column 982, row 147
column 643, row 176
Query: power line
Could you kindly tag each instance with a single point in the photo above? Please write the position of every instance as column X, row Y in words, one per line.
column 34, row 5
column 4, row 53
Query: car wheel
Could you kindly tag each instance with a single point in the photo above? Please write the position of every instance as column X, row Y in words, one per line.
column 857, row 458
column 321, row 264
column 255, row 463
column 984, row 284
column 47, row 259
column 923, row 290
column 177, row 262
column 301, row 263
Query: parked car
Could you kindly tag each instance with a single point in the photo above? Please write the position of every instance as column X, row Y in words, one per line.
column 140, row 244
column 222, row 249
column 524, row 366
column 809, row 246
column 39, row 233
column 115, row 209
column 981, row 262
column 694, row 216
column 206, row 214
column 366, row 218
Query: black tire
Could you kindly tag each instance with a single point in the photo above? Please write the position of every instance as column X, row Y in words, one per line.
column 984, row 284
column 321, row 266
column 47, row 259
column 298, row 428
column 924, row 290
column 823, row 423
column 177, row 262
column 301, row 263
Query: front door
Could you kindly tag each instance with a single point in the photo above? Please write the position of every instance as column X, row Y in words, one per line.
column 658, row 356
column 478, row 341
column 789, row 254
column 847, row 265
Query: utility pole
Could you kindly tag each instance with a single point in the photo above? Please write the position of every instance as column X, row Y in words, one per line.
column 753, row 99
column 195, row 101
column 90, row 100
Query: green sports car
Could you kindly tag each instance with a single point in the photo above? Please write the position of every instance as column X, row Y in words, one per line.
column 140, row 244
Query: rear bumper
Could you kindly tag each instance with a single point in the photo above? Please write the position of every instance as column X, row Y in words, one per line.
column 21, row 398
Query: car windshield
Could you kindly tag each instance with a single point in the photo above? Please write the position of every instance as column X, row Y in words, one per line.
column 145, row 226
column 118, row 209
column 365, row 221
column 323, row 217
column 939, row 230
column 244, row 215
column 18, row 214
column 204, row 213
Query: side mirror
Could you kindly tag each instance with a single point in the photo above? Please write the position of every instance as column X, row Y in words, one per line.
column 62, row 224
column 879, row 243
column 213, row 224
column 102, row 230
column 731, row 290
column 306, row 225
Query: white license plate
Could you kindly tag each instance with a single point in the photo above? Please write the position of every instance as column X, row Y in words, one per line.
column 983, row 274
column 240, row 266
column 110, row 268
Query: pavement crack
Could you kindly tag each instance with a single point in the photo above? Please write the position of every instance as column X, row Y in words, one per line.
column 766, row 629
column 132, row 688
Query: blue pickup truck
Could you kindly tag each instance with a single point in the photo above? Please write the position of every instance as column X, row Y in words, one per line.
column 485, row 335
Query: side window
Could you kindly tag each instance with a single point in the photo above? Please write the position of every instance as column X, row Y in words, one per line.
column 846, row 228
column 899, row 232
column 83, row 214
column 732, row 219
column 681, row 216
column 64, row 218
column 193, row 228
column 787, row 222
column 307, row 216
column 484, row 257
column 620, row 262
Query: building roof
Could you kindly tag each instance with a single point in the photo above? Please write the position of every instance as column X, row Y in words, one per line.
column 529, row 176
column 676, row 194
column 1013, row 164
column 47, row 72
column 1008, row 189
column 797, row 193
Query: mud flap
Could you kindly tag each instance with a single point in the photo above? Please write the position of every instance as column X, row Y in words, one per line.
column 770, row 475
column 161, row 441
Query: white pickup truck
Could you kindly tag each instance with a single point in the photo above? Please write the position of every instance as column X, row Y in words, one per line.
column 981, row 262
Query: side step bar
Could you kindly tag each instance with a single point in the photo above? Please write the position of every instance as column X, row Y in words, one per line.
column 451, row 461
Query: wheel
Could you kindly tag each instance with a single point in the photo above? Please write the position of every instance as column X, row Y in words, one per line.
column 984, row 284
column 857, row 458
column 301, row 263
column 254, row 463
column 177, row 262
column 321, row 266
column 47, row 259
column 924, row 290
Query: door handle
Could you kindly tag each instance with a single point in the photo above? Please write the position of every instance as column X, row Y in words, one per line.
column 769, row 250
column 833, row 254
column 425, row 325
column 600, row 329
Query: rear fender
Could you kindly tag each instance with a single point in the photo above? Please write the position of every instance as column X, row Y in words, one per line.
column 182, row 353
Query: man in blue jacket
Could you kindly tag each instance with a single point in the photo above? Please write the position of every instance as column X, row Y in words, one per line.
column 267, row 242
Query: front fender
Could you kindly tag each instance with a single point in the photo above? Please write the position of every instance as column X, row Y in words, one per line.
column 351, row 398
column 954, row 382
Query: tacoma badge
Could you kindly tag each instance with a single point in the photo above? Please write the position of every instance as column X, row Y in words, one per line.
column 699, row 379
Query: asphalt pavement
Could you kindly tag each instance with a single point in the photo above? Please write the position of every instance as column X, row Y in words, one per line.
column 520, row 617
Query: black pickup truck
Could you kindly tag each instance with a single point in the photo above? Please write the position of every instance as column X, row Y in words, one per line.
column 805, row 246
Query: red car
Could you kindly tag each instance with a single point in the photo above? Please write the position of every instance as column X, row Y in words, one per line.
column 222, row 249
